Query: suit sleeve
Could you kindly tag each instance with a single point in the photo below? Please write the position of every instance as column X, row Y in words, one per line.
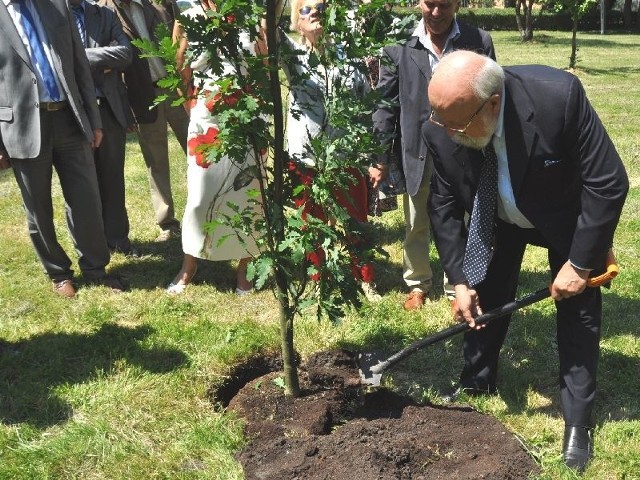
column 83, row 76
column 446, row 210
column 487, row 46
column 118, row 54
column 604, row 180
column 386, row 117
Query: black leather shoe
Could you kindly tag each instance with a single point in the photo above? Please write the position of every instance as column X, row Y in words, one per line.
column 577, row 447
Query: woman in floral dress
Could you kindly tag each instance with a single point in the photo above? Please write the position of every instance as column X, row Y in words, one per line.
column 211, row 186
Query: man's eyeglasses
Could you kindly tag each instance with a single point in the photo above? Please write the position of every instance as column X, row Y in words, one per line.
column 437, row 122
column 318, row 7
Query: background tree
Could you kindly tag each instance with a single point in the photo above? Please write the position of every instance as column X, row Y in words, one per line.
column 524, row 19
column 627, row 17
column 576, row 9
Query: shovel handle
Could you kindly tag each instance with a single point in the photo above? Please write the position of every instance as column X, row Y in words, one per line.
column 611, row 272
column 461, row 327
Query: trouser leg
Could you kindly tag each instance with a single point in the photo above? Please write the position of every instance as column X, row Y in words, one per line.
column 578, row 328
column 34, row 180
column 417, row 272
column 155, row 150
column 74, row 163
column 109, row 160
column 179, row 122
column 481, row 348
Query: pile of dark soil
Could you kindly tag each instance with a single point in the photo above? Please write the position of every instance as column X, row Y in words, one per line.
column 338, row 430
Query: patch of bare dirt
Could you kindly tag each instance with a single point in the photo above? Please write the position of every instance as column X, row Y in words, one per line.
column 338, row 430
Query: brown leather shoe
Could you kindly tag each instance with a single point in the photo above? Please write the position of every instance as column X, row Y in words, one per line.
column 64, row 288
column 114, row 283
column 415, row 300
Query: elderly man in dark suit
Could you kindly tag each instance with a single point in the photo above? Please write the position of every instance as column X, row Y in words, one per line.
column 109, row 52
column 405, row 71
column 49, row 119
column 140, row 20
column 531, row 163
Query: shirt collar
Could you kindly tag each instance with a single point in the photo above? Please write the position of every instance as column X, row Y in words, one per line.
column 423, row 36
column 500, row 125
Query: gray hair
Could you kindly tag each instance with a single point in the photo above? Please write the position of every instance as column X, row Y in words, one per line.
column 488, row 80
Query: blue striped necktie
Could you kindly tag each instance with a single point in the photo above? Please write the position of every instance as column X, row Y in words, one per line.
column 38, row 56
column 78, row 14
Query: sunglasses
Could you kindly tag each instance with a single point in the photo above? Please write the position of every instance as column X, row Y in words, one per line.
column 318, row 7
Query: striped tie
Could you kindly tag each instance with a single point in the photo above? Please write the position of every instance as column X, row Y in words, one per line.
column 78, row 13
column 37, row 54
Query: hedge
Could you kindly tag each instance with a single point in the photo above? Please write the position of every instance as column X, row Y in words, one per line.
column 505, row 19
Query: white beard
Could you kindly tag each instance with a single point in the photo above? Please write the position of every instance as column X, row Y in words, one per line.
column 477, row 143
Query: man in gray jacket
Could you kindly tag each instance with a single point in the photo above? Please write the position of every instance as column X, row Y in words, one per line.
column 49, row 119
column 109, row 52
column 405, row 71
column 140, row 19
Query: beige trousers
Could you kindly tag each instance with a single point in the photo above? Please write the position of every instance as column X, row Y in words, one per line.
column 153, row 139
column 417, row 272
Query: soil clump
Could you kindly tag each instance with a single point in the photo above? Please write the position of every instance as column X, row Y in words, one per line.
column 339, row 430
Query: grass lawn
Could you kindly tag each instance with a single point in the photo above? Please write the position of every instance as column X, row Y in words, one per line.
column 115, row 386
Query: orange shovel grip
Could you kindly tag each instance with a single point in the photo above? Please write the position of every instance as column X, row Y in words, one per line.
column 612, row 272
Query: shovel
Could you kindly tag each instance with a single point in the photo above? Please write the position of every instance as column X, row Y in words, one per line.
column 372, row 366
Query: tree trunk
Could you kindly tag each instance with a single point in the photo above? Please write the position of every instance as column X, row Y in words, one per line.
column 525, row 21
column 626, row 14
column 574, row 43
column 287, row 313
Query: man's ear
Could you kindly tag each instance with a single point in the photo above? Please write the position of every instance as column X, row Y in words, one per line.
column 495, row 101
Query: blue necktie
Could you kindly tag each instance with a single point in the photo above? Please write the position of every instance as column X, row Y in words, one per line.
column 38, row 57
column 78, row 13
column 479, row 248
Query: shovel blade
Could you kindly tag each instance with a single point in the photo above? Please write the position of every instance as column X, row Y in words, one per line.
column 366, row 360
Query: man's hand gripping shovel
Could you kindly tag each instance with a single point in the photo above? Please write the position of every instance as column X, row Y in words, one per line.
column 372, row 367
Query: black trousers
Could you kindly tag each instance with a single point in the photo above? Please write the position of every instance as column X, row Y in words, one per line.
column 109, row 159
column 65, row 149
column 578, row 322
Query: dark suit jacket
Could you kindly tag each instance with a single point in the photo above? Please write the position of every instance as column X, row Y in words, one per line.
column 404, row 77
column 109, row 52
column 20, row 132
column 567, row 177
column 137, row 76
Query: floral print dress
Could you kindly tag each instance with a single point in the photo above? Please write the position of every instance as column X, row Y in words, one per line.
column 211, row 187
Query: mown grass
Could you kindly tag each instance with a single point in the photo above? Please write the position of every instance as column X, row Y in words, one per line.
column 115, row 386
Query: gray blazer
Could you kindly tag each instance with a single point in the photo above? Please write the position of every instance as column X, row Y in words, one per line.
column 405, row 73
column 20, row 132
column 109, row 53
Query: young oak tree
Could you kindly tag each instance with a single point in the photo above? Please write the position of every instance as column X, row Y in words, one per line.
column 307, row 261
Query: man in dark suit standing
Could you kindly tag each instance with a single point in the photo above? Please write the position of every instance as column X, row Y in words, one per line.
column 531, row 163
column 49, row 119
column 140, row 20
column 405, row 71
column 109, row 52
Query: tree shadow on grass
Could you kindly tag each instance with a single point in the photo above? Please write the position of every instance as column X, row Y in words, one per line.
column 31, row 369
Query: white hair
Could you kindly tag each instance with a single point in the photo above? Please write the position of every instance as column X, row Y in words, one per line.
column 488, row 80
